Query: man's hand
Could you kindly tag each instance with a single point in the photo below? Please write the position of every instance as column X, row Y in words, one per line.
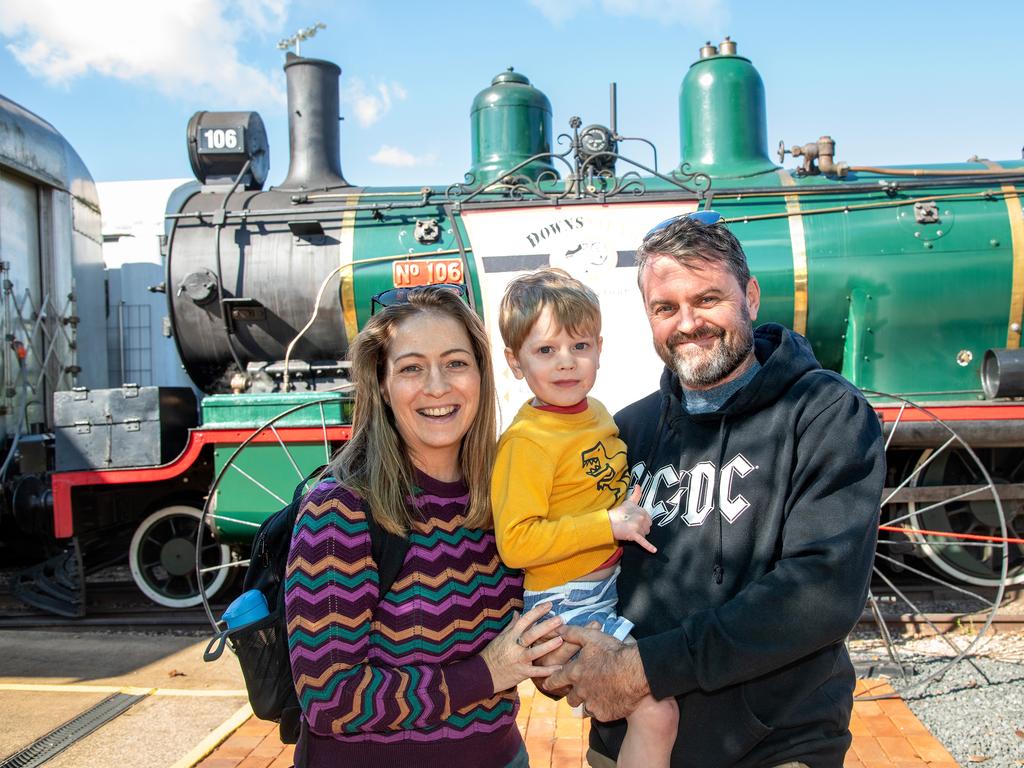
column 558, row 658
column 607, row 677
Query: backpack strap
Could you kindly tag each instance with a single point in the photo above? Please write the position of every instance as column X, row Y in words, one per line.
column 389, row 551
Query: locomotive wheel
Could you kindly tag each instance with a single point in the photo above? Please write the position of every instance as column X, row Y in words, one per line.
column 977, row 564
column 162, row 558
column 926, row 621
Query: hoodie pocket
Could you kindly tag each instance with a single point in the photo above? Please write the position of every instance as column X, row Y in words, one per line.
column 718, row 729
column 773, row 698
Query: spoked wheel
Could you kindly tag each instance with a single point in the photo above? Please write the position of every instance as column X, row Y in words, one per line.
column 978, row 562
column 942, row 559
column 260, row 475
column 162, row 558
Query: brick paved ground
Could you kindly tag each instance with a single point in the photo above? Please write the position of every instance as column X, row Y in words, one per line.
column 885, row 735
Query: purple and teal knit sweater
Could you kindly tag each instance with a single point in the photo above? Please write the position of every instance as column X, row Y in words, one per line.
column 399, row 681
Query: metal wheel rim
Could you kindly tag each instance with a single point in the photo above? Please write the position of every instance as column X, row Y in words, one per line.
column 148, row 557
column 958, row 564
column 990, row 607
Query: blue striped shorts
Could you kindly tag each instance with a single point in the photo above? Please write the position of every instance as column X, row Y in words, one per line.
column 579, row 602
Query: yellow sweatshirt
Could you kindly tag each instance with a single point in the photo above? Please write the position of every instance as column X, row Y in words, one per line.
column 556, row 477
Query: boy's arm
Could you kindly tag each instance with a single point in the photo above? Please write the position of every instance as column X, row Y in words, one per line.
column 520, row 495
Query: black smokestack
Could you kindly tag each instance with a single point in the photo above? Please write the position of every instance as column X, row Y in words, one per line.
column 313, row 133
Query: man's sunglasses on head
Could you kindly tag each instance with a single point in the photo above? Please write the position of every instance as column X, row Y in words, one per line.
column 707, row 218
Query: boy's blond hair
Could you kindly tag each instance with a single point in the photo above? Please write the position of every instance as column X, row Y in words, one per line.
column 575, row 306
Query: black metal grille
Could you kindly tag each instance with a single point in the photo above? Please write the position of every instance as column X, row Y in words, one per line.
column 61, row 738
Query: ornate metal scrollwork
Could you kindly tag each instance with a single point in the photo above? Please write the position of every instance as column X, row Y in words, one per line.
column 589, row 174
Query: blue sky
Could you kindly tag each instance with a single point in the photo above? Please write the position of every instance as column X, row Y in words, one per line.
column 891, row 82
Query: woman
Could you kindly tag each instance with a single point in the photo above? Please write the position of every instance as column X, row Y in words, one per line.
column 425, row 675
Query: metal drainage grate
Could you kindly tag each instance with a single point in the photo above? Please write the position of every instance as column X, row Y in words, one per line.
column 59, row 739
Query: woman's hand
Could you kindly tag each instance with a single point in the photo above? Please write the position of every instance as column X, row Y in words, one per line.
column 510, row 655
column 631, row 522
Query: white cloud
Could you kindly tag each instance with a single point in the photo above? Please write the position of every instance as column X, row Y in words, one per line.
column 560, row 11
column 370, row 104
column 399, row 158
column 177, row 46
column 690, row 13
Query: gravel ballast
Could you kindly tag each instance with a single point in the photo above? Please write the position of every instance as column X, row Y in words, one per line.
column 976, row 709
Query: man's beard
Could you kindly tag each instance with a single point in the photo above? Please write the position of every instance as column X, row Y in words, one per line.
column 708, row 367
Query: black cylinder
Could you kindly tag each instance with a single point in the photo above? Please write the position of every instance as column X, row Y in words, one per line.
column 220, row 143
column 1002, row 373
column 313, row 134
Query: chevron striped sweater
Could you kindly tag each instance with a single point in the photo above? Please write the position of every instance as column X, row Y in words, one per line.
column 398, row 681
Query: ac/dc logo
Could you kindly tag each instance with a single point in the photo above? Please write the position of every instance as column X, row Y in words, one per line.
column 689, row 494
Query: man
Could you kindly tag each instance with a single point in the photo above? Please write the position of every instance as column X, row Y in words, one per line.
column 762, row 473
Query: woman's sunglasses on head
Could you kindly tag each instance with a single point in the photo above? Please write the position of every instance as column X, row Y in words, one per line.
column 393, row 296
column 706, row 218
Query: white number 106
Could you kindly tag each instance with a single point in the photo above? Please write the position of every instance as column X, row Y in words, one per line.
column 220, row 138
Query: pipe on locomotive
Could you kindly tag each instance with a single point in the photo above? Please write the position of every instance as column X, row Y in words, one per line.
column 314, row 134
column 1002, row 373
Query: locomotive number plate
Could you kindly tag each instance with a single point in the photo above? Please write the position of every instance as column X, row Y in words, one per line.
column 222, row 140
column 409, row 274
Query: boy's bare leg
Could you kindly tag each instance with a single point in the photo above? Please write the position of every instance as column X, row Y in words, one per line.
column 650, row 733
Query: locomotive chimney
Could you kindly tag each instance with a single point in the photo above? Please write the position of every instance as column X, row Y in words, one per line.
column 314, row 136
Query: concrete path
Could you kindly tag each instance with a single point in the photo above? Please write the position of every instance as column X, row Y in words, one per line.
column 47, row 678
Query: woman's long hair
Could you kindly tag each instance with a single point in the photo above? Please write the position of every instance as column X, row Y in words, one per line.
column 375, row 462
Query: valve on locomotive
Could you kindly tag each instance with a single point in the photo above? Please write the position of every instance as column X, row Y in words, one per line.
column 823, row 151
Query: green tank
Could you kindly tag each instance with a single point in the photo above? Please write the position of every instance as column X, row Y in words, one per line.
column 511, row 122
column 722, row 125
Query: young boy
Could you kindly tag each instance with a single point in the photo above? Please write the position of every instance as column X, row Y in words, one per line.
column 560, row 479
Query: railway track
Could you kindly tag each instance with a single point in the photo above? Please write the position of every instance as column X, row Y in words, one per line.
column 111, row 604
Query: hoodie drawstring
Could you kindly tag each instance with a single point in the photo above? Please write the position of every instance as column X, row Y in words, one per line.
column 718, row 572
column 657, row 434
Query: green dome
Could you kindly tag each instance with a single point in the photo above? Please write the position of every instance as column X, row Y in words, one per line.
column 722, row 124
column 511, row 122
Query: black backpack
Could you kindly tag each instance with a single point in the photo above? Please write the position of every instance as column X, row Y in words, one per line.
column 262, row 646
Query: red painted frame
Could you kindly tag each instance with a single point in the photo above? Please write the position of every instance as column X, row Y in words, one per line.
column 952, row 413
column 64, row 482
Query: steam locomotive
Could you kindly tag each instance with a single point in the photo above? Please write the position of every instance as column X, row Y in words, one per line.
column 908, row 281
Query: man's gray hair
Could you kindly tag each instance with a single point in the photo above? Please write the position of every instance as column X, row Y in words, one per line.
column 688, row 241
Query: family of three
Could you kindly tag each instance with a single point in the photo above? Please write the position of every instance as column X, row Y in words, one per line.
column 685, row 572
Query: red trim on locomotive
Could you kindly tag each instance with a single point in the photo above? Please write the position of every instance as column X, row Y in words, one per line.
column 958, row 412
column 64, row 482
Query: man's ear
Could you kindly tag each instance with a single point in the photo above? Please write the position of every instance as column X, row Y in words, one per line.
column 513, row 363
column 753, row 297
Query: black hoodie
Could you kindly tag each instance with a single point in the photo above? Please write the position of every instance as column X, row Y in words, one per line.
column 765, row 518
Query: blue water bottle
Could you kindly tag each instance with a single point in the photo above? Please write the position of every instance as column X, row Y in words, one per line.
column 248, row 607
